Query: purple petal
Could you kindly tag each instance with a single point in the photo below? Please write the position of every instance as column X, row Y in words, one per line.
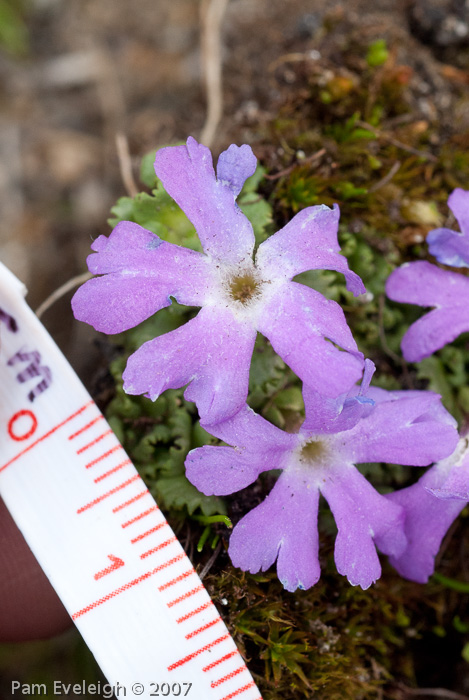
column 296, row 320
column 140, row 273
column 248, row 431
column 234, row 167
column 451, row 247
column 188, row 176
column 260, row 446
column 427, row 521
column 434, row 330
column 455, row 485
column 225, row 470
column 363, row 518
column 427, row 285
column 212, row 351
column 325, row 415
column 414, row 430
column 307, row 242
column 283, row 527
column 458, row 202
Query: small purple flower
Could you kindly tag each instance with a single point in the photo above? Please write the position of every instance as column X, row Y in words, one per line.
column 212, row 352
column 375, row 425
column 431, row 505
column 425, row 284
column 452, row 247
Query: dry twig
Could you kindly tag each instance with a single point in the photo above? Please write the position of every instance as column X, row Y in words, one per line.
column 433, row 692
column 210, row 562
column 387, row 178
column 399, row 144
column 125, row 164
column 211, row 15
column 61, row 291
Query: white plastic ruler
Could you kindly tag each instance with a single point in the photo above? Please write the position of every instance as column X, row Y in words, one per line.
column 97, row 532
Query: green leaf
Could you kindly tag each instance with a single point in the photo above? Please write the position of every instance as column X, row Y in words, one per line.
column 147, row 170
column 259, row 213
column 178, row 492
column 13, row 32
column 377, row 53
column 252, row 183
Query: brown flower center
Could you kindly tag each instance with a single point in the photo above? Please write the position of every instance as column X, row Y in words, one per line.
column 244, row 288
column 313, row 451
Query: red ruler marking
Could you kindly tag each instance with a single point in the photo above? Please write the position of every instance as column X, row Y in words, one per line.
column 157, row 549
column 215, row 684
column 131, row 500
column 149, row 532
column 220, row 661
column 176, row 580
column 194, row 612
column 112, row 471
column 126, row 586
column 85, row 427
column 108, row 493
column 185, row 596
column 239, row 691
column 183, row 661
column 93, row 442
column 46, row 435
column 104, row 455
column 142, row 515
column 203, row 628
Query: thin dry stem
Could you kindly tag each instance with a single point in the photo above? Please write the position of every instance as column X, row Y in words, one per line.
column 61, row 291
column 399, row 144
column 211, row 16
column 387, row 178
column 125, row 164
column 433, row 692
column 210, row 562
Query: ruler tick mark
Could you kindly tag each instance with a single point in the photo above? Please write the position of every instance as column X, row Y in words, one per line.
column 108, row 493
column 203, row 628
column 149, row 532
column 194, row 612
column 183, row 661
column 157, row 549
column 131, row 500
column 239, row 691
column 93, row 442
column 85, row 427
column 176, row 580
column 219, row 661
column 112, row 471
column 142, row 515
column 104, row 455
column 215, row 684
column 185, row 596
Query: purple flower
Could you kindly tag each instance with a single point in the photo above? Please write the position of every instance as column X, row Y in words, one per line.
column 451, row 247
column 427, row 285
column 431, row 505
column 375, row 425
column 212, row 352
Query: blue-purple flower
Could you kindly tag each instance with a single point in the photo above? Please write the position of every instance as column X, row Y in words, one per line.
column 452, row 247
column 431, row 505
column 212, row 352
column 372, row 425
column 447, row 292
